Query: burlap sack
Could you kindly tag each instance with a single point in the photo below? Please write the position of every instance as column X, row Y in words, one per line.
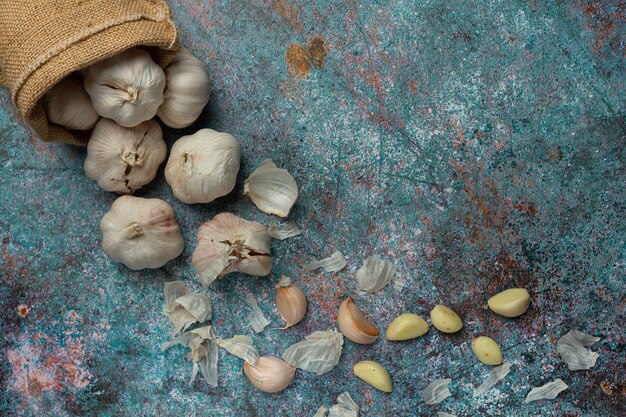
column 43, row 41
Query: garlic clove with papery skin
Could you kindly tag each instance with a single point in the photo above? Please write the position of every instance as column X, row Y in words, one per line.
column 269, row 374
column 203, row 166
column 124, row 159
column 272, row 189
column 68, row 104
column 354, row 325
column 141, row 233
column 127, row 87
column 291, row 302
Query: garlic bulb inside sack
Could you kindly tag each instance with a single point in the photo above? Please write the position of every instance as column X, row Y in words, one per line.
column 141, row 233
column 127, row 88
column 124, row 159
column 68, row 104
column 203, row 166
column 187, row 90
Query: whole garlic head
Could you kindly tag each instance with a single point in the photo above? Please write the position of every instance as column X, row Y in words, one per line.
column 141, row 233
column 124, row 159
column 127, row 88
column 187, row 90
column 228, row 243
column 68, row 104
column 203, row 166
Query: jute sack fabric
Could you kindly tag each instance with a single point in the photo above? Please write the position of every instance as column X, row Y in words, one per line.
column 43, row 41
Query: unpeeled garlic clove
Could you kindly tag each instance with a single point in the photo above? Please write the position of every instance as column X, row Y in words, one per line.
column 68, row 104
column 406, row 326
column 291, row 302
column 269, row 374
column 272, row 189
column 445, row 320
column 354, row 325
column 510, row 303
column 487, row 350
column 373, row 374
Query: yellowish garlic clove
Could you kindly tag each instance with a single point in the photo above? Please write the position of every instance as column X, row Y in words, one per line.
column 354, row 325
column 510, row 303
column 269, row 374
column 272, row 189
column 406, row 326
column 445, row 320
column 373, row 374
column 487, row 350
column 291, row 302
column 68, row 104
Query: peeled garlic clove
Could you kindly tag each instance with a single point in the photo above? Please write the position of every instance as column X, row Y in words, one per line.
column 141, row 233
column 291, row 302
column 272, row 189
column 510, row 303
column 187, row 90
column 354, row 325
column 203, row 166
column 124, row 159
column 445, row 320
column 127, row 88
column 406, row 326
column 487, row 350
column 228, row 243
column 269, row 374
column 374, row 374
column 68, row 104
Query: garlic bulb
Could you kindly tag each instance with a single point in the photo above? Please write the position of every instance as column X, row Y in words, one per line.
column 291, row 302
column 141, row 233
column 272, row 189
column 227, row 244
column 269, row 374
column 124, row 159
column 127, row 88
column 187, row 90
column 68, row 104
column 354, row 325
column 203, row 166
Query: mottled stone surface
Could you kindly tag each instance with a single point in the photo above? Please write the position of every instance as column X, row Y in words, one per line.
column 478, row 145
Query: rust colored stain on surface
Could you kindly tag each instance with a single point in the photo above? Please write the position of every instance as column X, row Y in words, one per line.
column 317, row 51
column 300, row 59
column 288, row 12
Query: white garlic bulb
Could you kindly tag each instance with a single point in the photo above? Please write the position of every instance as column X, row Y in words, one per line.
column 127, row 88
column 203, row 166
column 124, row 159
column 68, row 104
column 187, row 90
column 272, row 189
column 141, row 232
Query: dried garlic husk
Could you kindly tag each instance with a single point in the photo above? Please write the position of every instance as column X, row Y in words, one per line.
column 141, row 232
column 321, row 412
column 375, row 274
column 257, row 319
column 334, row 263
column 68, row 104
column 202, row 342
column 548, row 391
column 124, row 159
column 203, row 166
column 291, row 302
column 573, row 350
column 496, row 374
column 183, row 308
column 187, row 90
column 241, row 347
column 442, row 414
column 272, row 189
column 269, row 374
column 354, row 325
column 436, row 391
column 227, row 244
column 319, row 352
column 127, row 87
column 284, row 230
column 345, row 407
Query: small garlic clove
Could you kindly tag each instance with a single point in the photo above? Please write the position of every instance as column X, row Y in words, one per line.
column 373, row 374
column 406, row 326
column 291, row 303
column 445, row 320
column 272, row 189
column 269, row 374
column 68, row 104
column 354, row 325
column 487, row 350
column 510, row 303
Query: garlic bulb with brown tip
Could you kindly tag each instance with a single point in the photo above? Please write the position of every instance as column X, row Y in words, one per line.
column 228, row 243
column 269, row 374
column 124, row 159
column 68, row 104
column 127, row 87
column 187, row 90
column 203, row 166
column 141, row 233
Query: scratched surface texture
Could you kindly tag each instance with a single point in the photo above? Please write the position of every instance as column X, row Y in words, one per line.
column 478, row 145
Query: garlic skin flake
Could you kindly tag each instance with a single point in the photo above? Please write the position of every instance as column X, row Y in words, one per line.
column 436, row 391
column 345, row 407
column 127, row 87
column 68, row 104
column 496, row 374
column 123, row 159
column 375, row 274
column 241, row 347
column 257, row 319
column 228, row 243
column 269, row 374
column 272, row 189
column 183, row 308
column 548, row 391
column 203, row 166
column 573, row 350
column 334, row 263
column 321, row 412
column 141, row 233
column 442, row 414
column 284, row 230
column 203, row 345
column 291, row 302
column 319, row 352
column 187, row 90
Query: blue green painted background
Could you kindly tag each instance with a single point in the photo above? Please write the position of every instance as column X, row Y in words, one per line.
column 478, row 145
